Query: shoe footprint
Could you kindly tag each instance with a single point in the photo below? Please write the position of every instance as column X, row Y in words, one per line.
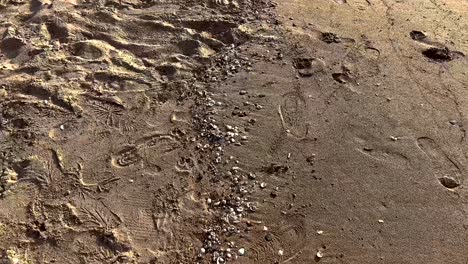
column 290, row 238
column 445, row 169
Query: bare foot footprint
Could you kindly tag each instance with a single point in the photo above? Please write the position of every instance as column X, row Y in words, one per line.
column 445, row 169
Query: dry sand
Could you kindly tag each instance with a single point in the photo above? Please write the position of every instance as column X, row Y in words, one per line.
column 219, row 131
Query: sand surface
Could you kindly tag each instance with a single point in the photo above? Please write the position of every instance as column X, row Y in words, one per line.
column 233, row 131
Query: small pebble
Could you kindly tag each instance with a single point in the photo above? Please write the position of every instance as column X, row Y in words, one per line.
column 241, row 251
column 319, row 254
column 280, row 252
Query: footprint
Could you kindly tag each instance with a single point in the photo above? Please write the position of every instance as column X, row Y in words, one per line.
column 386, row 156
column 226, row 3
column 91, row 49
column 442, row 54
column 445, row 169
column 292, row 116
column 361, row 4
column 307, row 67
column 162, row 142
column 290, row 238
column 11, row 46
column 340, row 2
column 292, row 113
column 135, row 209
column 128, row 156
column 438, row 52
column 417, row 35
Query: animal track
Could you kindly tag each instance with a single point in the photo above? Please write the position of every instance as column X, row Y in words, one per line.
column 108, row 114
column 97, row 215
column 43, row 175
column 186, row 165
column 445, row 169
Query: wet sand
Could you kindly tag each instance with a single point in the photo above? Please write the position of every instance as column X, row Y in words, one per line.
column 233, row 131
